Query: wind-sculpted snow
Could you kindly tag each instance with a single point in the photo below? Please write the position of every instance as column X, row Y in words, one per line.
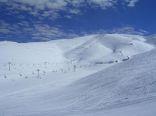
column 94, row 75
column 109, row 47
column 126, row 87
column 120, row 84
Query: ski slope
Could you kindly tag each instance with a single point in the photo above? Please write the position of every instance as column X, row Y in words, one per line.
column 101, row 74
column 121, row 84
column 26, row 59
column 108, row 48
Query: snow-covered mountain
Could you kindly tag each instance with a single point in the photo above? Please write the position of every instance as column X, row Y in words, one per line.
column 109, row 47
column 94, row 75
column 87, row 48
column 151, row 39
column 127, row 82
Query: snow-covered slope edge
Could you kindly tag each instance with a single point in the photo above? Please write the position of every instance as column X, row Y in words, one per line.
column 126, row 83
column 108, row 48
column 35, row 52
column 90, row 48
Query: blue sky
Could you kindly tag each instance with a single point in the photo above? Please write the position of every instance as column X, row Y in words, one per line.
column 42, row 20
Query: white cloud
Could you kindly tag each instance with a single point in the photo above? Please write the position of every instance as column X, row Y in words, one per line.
column 41, row 31
column 74, row 11
column 51, row 9
column 4, row 27
column 37, row 30
column 46, row 32
column 103, row 3
column 129, row 30
column 39, row 4
column 54, row 6
column 4, row 30
column 132, row 3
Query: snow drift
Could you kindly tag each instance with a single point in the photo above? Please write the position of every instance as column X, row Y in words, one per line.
column 126, row 83
column 108, row 47
column 61, row 91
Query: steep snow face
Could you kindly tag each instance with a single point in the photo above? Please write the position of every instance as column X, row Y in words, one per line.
column 126, row 83
column 108, row 47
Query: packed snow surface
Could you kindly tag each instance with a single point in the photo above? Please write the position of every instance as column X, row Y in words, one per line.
column 94, row 75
